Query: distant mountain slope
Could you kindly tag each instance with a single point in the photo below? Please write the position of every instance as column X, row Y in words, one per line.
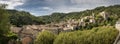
column 56, row 17
column 20, row 18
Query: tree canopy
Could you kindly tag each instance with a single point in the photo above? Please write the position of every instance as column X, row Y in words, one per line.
column 5, row 33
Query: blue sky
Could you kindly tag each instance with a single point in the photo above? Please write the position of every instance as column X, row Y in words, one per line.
column 46, row 7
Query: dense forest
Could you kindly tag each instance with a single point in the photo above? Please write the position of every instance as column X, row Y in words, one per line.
column 20, row 18
column 101, row 32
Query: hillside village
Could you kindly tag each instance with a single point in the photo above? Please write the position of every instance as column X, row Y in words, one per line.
column 70, row 25
column 99, row 25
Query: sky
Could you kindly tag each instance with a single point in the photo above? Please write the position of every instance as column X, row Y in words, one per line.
column 47, row 7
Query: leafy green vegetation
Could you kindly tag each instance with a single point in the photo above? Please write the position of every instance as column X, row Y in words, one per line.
column 98, row 35
column 5, row 34
column 20, row 18
column 45, row 37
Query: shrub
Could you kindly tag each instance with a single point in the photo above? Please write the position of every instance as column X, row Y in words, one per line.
column 99, row 35
column 45, row 37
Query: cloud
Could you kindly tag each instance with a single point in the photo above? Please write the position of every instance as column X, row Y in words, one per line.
column 69, row 9
column 92, row 1
column 12, row 3
column 46, row 7
column 95, row 2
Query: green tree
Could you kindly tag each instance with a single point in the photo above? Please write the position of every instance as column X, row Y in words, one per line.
column 4, row 25
column 5, row 33
column 45, row 37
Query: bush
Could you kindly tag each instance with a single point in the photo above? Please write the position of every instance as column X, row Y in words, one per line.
column 45, row 37
column 99, row 35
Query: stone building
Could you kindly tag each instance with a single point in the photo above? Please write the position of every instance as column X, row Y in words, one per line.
column 92, row 20
column 118, row 25
column 27, row 40
column 104, row 14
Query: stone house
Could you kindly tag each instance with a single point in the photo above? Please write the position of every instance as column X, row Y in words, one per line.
column 117, row 26
column 104, row 14
column 92, row 20
column 15, row 29
column 27, row 40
